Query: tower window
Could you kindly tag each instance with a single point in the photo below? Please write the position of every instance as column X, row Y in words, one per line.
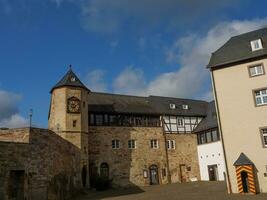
column 74, row 123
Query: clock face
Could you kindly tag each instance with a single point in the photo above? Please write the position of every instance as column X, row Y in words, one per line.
column 73, row 105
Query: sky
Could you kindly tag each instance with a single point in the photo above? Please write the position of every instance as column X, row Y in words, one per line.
column 135, row 47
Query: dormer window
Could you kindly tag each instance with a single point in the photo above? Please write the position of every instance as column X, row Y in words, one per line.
column 185, row 107
column 256, row 45
column 172, row 106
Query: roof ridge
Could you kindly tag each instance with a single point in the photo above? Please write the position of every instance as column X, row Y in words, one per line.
column 178, row 98
column 114, row 94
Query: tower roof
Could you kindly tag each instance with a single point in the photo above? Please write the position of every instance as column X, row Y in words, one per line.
column 70, row 79
column 243, row 160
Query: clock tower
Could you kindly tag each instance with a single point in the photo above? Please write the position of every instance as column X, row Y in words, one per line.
column 68, row 116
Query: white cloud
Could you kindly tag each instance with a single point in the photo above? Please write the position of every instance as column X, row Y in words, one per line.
column 9, row 112
column 14, row 121
column 192, row 53
column 130, row 81
column 95, row 80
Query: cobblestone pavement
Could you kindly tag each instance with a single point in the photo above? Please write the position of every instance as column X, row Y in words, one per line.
column 187, row 191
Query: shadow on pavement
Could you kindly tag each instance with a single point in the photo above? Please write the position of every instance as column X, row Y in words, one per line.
column 98, row 195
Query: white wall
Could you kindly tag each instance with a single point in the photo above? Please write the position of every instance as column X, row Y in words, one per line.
column 211, row 154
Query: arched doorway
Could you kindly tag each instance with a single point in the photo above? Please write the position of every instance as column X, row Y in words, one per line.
column 154, row 178
column 84, row 175
column 244, row 178
column 104, row 170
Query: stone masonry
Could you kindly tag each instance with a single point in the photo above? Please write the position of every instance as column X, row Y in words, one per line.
column 47, row 165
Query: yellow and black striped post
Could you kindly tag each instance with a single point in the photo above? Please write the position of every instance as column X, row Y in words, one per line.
column 249, row 169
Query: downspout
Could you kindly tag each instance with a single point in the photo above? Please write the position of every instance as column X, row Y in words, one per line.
column 221, row 133
column 166, row 151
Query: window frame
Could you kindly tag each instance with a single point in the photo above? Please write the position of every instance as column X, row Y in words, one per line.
column 116, row 144
column 131, row 145
column 171, row 145
column 152, row 144
column 256, row 65
column 252, row 42
column 262, row 135
column 204, row 133
column 254, row 96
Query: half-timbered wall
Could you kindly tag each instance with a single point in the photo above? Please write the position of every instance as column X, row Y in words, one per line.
column 180, row 124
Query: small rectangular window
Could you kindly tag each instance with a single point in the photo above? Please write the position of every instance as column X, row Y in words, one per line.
column 74, row 123
column 256, row 45
column 215, row 136
column 115, row 144
column 261, row 97
column 170, row 144
column 264, row 137
column 132, row 144
column 180, row 122
column 208, row 135
column 256, row 70
column 154, row 144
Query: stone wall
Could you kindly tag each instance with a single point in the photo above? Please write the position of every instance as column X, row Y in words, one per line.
column 50, row 166
column 183, row 160
column 126, row 166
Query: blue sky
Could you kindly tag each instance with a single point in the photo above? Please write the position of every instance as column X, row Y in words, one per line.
column 158, row 47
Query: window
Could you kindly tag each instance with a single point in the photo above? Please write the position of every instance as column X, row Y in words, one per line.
column 180, row 122
column 264, row 137
column 208, row 136
column 256, row 70
column 256, row 45
column 261, row 97
column 154, row 144
column 171, row 144
column 99, row 119
column 185, row 107
column 104, row 170
column 115, row 144
column 74, row 122
column 172, row 106
column 132, row 144
column 123, row 120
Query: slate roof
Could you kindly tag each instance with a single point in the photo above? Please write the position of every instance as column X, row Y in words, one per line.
column 243, row 160
column 237, row 49
column 153, row 105
column 68, row 80
column 210, row 121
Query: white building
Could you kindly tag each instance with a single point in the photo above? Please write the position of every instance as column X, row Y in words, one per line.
column 210, row 150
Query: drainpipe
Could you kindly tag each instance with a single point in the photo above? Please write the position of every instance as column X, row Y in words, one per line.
column 166, row 151
column 221, row 134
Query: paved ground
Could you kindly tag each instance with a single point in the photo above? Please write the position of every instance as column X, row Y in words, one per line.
column 187, row 191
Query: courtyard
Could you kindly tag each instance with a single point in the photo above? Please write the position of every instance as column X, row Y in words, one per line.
column 187, row 191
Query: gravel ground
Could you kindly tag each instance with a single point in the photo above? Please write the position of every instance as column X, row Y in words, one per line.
column 187, row 191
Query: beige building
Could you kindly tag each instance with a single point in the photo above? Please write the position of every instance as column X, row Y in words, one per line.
column 240, row 88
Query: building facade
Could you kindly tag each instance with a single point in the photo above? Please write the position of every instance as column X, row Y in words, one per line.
column 239, row 83
column 129, row 140
column 134, row 141
column 210, row 150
